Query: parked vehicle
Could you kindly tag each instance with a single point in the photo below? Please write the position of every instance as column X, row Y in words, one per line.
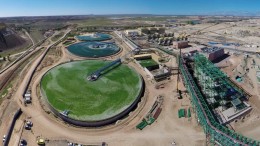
column 4, row 138
column 40, row 141
column 23, row 142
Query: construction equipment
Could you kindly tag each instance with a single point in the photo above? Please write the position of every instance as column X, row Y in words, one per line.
column 189, row 113
column 181, row 113
column 153, row 114
column 142, row 125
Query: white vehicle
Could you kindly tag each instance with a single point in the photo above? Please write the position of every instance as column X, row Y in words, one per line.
column 29, row 123
column 4, row 137
column 71, row 144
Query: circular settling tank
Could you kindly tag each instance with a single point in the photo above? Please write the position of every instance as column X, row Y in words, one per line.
column 93, row 49
column 91, row 103
column 94, row 37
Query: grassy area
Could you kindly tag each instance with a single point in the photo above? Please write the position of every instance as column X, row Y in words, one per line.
column 5, row 90
column 151, row 18
column 36, row 35
column 94, row 22
column 67, row 88
column 14, row 51
column 56, row 37
column 147, row 62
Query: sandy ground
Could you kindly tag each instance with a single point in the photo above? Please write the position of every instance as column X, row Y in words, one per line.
column 167, row 128
column 248, row 125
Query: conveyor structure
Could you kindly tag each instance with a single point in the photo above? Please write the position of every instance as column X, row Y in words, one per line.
column 96, row 74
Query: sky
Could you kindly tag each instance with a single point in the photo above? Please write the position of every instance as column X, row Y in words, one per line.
column 10, row 8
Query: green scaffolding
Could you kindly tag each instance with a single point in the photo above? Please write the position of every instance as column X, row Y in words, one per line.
column 219, row 134
column 213, row 81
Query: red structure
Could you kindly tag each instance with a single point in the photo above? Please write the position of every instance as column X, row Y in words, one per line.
column 180, row 44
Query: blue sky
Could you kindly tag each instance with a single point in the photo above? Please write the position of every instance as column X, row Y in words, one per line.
column 81, row 7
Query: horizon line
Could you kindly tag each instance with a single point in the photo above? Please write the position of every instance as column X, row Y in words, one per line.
column 236, row 15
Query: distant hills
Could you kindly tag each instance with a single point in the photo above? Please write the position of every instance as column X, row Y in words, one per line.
column 79, row 17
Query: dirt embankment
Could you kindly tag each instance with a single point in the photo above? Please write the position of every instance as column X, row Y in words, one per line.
column 9, row 39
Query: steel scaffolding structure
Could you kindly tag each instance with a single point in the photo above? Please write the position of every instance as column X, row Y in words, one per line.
column 214, row 83
column 218, row 90
column 219, row 134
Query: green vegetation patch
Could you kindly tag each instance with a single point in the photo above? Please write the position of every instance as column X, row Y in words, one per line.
column 147, row 62
column 67, row 88
column 2, row 25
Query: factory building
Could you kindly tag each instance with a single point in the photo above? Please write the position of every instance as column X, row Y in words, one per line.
column 213, row 53
column 180, row 44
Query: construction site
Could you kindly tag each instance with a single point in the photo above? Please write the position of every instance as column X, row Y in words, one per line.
column 149, row 85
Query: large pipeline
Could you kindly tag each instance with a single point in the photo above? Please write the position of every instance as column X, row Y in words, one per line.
column 9, row 133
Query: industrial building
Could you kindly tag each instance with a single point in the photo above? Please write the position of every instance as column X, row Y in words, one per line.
column 132, row 32
column 160, row 74
column 152, row 30
column 151, row 67
column 180, row 44
column 143, row 56
column 144, row 30
column 213, row 53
